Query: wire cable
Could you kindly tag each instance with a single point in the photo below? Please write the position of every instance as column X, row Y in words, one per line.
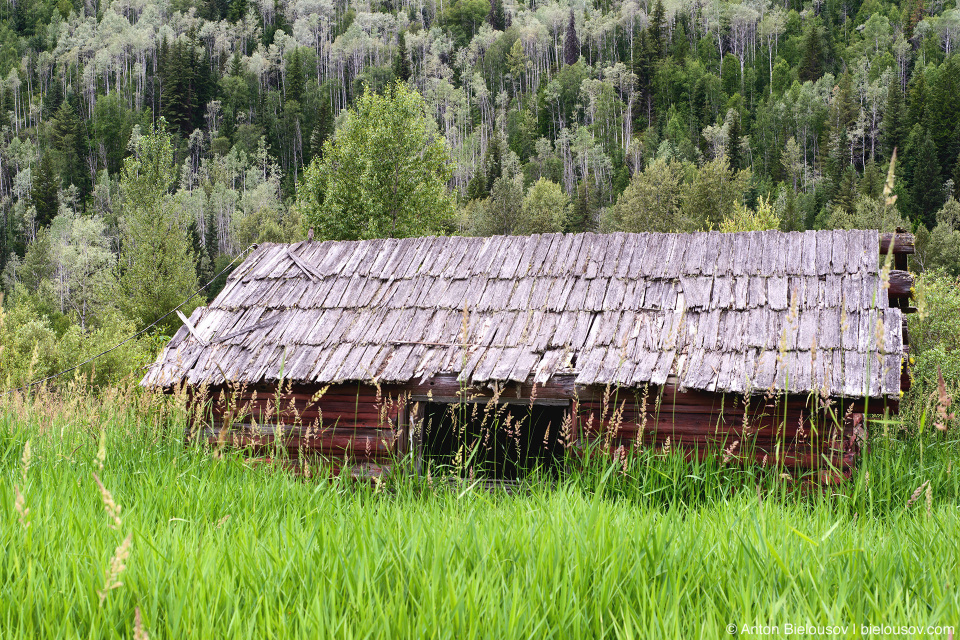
column 27, row 387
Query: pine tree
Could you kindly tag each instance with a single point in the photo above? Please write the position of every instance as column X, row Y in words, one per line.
column 571, row 43
column 477, row 187
column 892, row 125
column 157, row 265
column 907, row 161
column 238, row 9
column 847, row 106
column 204, row 85
column 791, row 213
column 43, row 193
column 845, row 197
column 916, row 108
column 580, row 218
column 494, row 168
column 196, row 243
column 324, row 127
column 401, row 64
column 70, row 143
column 956, row 180
column 734, row 137
column 658, row 23
column 644, row 69
column 497, row 18
column 211, row 246
column 926, row 192
column 52, row 99
column 236, row 66
column 811, row 64
column 294, row 79
column 177, row 98
column 912, row 11
column 871, row 185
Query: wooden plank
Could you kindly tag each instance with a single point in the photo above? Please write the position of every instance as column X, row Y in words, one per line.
column 644, row 245
column 757, row 297
column 581, row 329
column 548, row 365
column 578, row 294
column 544, row 254
column 574, row 261
column 697, row 291
column 594, row 300
column 824, row 253
column 771, row 248
column 530, row 248
column 509, row 254
column 614, row 296
column 730, row 331
column 663, row 368
column 754, row 255
column 523, row 366
column 838, row 258
column 793, row 253
column 626, row 255
column 673, row 266
column 655, row 253
column 193, row 330
column 693, row 257
column 611, row 258
column 730, row 245
column 559, row 293
column 777, row 293
column 808, row 257
column 855, row 250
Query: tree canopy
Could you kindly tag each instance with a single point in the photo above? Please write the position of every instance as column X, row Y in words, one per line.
column 383, row 174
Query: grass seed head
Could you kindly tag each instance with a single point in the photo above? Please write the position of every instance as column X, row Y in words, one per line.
column 139, row 633
column 102, row 449
column 109, row 504
column 23, row 512
column 944, row 401
column 25, row 461
column 728, row 453
column 117, row 567
column 916, row 494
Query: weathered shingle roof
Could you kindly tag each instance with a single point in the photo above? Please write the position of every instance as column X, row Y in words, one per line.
column 741, row 312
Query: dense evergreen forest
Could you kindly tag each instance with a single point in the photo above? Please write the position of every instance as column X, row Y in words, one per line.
column 144, row 145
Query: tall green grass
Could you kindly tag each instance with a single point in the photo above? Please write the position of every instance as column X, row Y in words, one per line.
column 654, row 547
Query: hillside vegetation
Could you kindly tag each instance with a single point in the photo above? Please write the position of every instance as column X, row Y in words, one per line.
column 145, row 145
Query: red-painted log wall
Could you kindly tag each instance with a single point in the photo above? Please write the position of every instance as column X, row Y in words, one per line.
column 360, row 424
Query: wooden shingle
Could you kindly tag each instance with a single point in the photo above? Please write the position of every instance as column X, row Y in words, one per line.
column 625, row 308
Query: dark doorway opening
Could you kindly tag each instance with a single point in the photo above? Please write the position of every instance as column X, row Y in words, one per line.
column 503, row 442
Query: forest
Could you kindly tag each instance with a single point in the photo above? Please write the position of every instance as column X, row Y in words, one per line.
column 144, row 146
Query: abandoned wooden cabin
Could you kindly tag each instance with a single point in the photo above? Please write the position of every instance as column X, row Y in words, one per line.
column 764, row 344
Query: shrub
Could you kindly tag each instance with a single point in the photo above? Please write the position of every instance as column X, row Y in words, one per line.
column 934, row 340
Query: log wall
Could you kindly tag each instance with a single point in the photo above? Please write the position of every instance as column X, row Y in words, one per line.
column 366, row 427
column 352, row 423
column 798, row 433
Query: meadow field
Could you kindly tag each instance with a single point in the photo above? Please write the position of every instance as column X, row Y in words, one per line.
column 114, row 528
